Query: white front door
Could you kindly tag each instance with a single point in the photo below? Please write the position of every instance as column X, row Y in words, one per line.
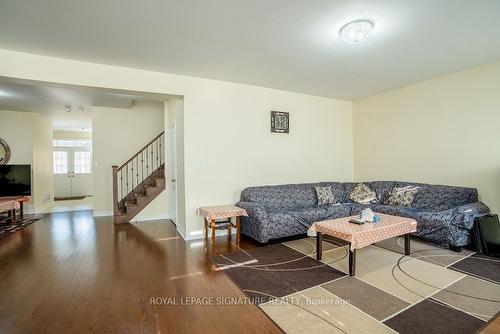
column 171, row 174
column 72, row 171
column 81, row 180
column 62, row 173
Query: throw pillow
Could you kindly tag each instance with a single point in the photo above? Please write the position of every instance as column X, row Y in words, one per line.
column 402, row 196
column 363, row 194
column 325, row 195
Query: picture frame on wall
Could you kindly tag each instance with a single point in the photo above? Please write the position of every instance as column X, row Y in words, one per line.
column 280, row 122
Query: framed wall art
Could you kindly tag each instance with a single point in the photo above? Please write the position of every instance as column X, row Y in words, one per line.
column 280, row 122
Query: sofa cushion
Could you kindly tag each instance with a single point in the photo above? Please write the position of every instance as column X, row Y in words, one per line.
column 363, row 194
column 382, row 188
column 436, row 198
column 338, row 211
column 337, row 190
column 356, row 208
column 307, row 216
column 325, row 195
column 393, row 210
column 282, row 197
column 402, row 196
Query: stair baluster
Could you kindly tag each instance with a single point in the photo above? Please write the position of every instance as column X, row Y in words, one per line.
column 141, row 186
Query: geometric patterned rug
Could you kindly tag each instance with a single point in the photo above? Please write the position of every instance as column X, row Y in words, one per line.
column 433, row 290
column 7, row 229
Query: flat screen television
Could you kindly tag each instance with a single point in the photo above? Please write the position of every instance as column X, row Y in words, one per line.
column 15, row 180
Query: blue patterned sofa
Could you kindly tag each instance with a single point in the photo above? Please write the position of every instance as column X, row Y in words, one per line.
column 445, row 214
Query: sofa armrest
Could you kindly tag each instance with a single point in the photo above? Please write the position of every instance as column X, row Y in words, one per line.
column 254, row 209
column 256, row 225
column 464, row 216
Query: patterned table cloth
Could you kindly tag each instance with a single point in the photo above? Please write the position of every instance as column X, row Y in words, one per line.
column 363, row 235
column 221, row 212
column 9, row 205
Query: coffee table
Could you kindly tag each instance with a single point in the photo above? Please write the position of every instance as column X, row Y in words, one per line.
column 359, row 236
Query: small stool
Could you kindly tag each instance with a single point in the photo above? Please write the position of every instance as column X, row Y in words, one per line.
column 213, row 214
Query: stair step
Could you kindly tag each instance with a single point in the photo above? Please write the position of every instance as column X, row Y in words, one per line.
column 144, row 194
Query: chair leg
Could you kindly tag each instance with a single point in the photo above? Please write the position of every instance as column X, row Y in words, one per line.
column 238, row 234
column 206, row 229
column 213, row 231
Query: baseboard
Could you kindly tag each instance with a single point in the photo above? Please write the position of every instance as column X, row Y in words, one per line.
column 149, row 218
column 196, row 235
column 182, row 232
column 39, row 209
column 103, row 214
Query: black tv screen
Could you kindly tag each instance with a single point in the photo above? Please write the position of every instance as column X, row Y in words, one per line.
column 15, row 180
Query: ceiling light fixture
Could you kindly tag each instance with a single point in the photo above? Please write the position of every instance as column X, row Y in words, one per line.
column 356, row 32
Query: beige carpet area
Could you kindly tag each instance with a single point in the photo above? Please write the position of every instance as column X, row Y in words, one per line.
column 429, row 291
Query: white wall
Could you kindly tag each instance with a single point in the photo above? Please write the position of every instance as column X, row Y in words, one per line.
column 117, row 134
column 444, row 131
column 29, row 136
column 227, row 139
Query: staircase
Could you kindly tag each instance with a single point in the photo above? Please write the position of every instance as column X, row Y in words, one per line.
column 139, row 181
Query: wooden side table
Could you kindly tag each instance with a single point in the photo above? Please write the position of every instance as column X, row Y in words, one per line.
column 213, row 213
column 18, row 199
column 10, row 206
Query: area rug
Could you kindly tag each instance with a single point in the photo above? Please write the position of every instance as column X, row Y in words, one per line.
column 68, row 198
column 7, row 229
column 433, row 290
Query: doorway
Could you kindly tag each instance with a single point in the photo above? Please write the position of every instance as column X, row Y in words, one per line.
column 72, row 169
column 171, row 174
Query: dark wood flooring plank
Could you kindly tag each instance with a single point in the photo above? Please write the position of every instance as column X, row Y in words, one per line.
column 71, row 273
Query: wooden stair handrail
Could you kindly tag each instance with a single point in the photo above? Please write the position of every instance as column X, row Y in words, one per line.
column 141, row 150
column 137, row 172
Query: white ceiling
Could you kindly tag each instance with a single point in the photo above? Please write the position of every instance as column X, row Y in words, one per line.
column 52, row 101
column 285, row 44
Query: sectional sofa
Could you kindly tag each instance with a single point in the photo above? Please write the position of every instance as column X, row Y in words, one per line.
column 445, row 214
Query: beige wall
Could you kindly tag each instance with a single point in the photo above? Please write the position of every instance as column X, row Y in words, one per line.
column 59, row 134
column 16, row 128
column 445, row 131
column 227, row 141
column 43, row 174
column 29, row 136
column 117, row 134
column 229, row 146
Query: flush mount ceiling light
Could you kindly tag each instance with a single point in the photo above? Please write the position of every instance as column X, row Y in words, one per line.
column 356, row 32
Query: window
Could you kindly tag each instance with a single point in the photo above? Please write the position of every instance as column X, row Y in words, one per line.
column 72, row 143
column 82, row 162
column 60, row 162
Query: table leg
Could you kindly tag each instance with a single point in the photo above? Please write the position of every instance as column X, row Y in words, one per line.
column 206, row 229
column 352, row 261
column 319, row 246
column 407, row 244
column 14, row 215
column 229, row 229
column 213, row 231
column 238, row 229
column 21, row 210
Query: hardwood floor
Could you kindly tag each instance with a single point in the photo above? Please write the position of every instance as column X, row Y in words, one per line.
column 70, row 273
